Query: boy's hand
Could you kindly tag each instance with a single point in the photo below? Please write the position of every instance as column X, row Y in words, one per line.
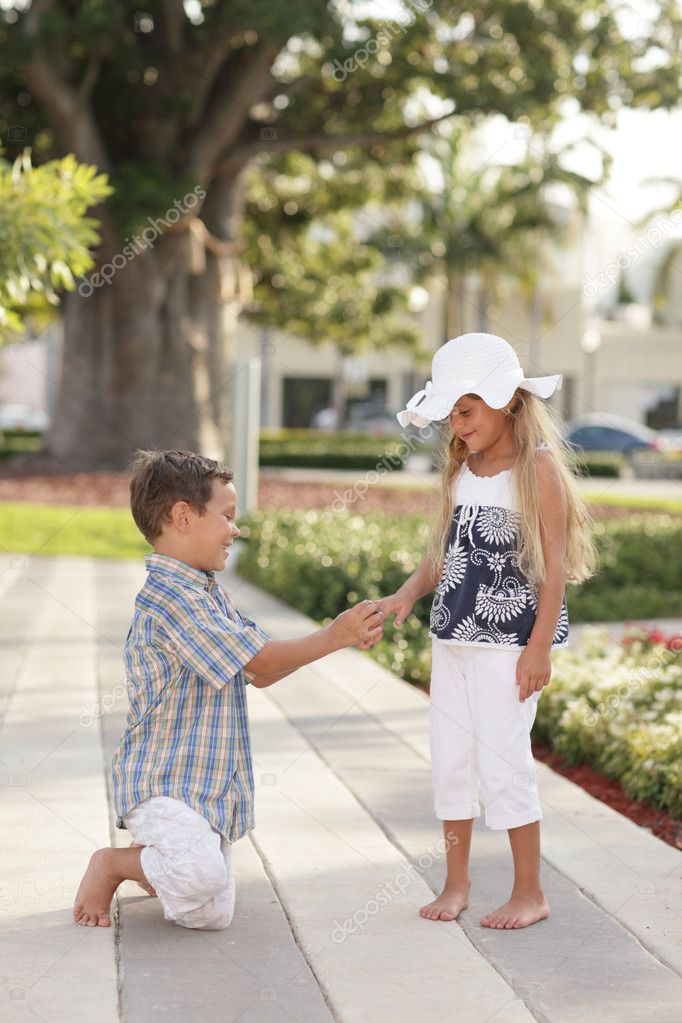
column 361, row 625
column 533, row 670
column 399, row 603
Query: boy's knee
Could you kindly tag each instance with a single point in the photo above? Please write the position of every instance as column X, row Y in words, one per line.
column 215, row 915
column 221, row 919
column 211, row 874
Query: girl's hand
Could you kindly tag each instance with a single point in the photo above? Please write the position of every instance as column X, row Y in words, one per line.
column 399, row 603
column 533, row 670
column 361, row 625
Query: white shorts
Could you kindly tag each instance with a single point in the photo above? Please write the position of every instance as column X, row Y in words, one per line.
column 480, row 737
column 186, row 861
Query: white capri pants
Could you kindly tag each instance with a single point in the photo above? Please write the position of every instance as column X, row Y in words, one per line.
column 186, row 861
column 480, row 737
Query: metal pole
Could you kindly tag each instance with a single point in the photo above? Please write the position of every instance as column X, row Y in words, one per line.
column 245, row 431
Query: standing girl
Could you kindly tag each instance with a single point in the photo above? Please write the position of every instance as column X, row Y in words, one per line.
column 512, row 529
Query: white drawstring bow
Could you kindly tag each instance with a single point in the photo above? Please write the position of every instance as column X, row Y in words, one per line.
column 417, row 398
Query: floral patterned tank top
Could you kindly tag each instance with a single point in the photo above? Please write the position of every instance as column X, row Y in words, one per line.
column 482, row 598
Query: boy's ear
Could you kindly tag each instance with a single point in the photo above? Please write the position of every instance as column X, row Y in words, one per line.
column 180, row 517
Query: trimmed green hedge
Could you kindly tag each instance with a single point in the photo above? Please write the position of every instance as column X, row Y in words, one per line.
column 17, row 442
column 601, row 464
column 317, row 449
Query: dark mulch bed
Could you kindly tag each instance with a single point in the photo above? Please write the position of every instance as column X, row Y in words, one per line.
column 111, row 488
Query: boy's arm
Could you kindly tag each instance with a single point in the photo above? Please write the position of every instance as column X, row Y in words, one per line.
column 421, row 582
column 360, row 625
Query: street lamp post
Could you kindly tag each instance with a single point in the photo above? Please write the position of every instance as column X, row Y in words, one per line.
column 590, row 343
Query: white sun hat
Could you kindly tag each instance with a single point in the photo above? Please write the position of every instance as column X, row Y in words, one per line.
column 482, row 364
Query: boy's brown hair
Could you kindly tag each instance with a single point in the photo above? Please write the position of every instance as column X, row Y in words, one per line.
column 160, row 478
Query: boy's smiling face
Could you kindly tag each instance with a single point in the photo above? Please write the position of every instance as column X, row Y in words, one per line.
column 215, row 531
column 202, row 540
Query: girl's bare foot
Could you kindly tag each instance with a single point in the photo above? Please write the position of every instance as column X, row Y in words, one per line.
column 523, row 908
column 449, row 904
column 144, row 885
column 96, row 890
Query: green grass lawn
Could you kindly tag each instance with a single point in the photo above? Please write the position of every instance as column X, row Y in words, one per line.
column 671, row 505
column 58, row 529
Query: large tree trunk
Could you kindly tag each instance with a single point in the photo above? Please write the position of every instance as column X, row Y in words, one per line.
column 146, row 358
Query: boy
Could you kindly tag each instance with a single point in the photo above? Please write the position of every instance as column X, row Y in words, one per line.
column 183, row 780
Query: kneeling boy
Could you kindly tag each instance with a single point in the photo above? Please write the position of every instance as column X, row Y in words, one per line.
column 183, row 780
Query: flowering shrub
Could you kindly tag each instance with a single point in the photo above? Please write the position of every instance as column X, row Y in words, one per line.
column 618, row 707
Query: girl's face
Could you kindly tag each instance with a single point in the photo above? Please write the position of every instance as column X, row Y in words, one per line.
column 478, row 425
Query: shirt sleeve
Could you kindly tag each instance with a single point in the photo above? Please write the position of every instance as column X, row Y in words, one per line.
column 214, row 645
column 250, row 624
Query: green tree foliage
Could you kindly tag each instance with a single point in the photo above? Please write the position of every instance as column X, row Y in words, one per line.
column 168, row 95
column 307, row 237
column 45, row 236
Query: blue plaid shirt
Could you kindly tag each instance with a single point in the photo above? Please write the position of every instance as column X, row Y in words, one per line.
column 187, row 731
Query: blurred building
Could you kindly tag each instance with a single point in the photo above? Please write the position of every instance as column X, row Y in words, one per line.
column 612, row 356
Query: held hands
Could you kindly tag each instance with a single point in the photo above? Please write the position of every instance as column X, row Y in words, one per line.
column 399, row 603
column 533, row 670
column 361, row 625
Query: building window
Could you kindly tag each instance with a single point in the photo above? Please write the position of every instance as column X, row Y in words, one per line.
column 303, row 397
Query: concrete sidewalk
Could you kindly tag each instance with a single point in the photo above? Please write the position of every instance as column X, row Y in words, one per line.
column 345, row 850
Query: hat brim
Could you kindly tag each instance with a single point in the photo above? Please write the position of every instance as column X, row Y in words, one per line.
column 542, row 386
column 434, row 408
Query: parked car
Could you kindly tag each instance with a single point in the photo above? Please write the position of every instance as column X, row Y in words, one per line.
column 371, row 417
column 606, row 432
column 18, row 418
column 671, row 441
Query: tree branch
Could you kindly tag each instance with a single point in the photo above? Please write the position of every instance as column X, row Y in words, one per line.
column 173, row 19
column 229, row 109
column 207, row 62
column 68, row 112
column 305, row 143
column 66, row 106
column 89, row 78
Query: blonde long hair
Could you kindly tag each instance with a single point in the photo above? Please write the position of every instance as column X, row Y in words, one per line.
column 532, row 423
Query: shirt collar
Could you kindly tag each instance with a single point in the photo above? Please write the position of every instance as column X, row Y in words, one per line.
column 179, row 570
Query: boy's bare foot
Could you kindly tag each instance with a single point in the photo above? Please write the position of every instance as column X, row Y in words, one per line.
column 449, row 904
column 144, row 885
column 96, row 890
column 521, row 910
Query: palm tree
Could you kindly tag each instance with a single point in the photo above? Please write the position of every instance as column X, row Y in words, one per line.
column 495, row 221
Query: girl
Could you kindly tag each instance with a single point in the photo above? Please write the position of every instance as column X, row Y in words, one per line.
column 512, row 528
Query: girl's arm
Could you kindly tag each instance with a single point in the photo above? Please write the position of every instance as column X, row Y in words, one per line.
column 421, row 582
column 534, row 667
